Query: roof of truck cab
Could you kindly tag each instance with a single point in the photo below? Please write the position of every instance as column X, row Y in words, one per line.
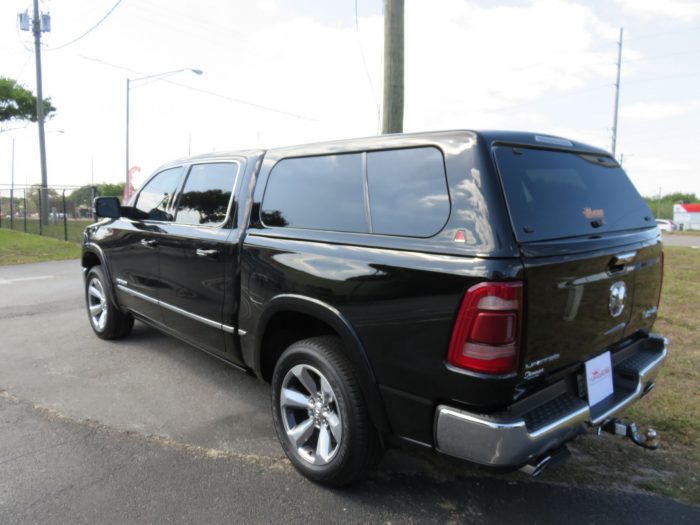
column 219, row 155
column 491, row 137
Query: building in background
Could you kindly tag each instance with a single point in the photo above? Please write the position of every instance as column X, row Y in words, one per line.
column 687, row 216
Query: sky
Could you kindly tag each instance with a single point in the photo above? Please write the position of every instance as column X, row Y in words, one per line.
column 283, row 72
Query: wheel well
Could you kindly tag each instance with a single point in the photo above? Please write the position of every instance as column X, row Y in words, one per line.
column 283, row 329
column 90, row 260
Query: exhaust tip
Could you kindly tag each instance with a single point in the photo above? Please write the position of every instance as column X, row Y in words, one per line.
column 537, row 466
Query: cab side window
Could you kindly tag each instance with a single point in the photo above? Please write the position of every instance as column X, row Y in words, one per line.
column 390, row 192
column 205, row 198
column 154, row 198
column 408, row 193
column 320, row 193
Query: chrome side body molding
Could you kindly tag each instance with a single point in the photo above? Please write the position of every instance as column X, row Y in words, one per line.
column 204, row 320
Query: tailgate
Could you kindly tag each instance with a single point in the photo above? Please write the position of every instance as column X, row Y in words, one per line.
column 578, row 305
column 590, row 249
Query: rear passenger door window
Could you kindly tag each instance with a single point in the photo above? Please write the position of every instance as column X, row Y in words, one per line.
column 407, row 192
column 321, row 193
column 205, row 198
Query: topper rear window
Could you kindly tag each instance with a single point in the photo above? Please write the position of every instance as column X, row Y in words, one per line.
column 557, row 194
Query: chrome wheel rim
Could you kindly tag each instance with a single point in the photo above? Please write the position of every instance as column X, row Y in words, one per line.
column 310, row 415
column 97, row 304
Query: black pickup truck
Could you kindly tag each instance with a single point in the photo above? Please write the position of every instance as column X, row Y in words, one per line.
column 488, row 295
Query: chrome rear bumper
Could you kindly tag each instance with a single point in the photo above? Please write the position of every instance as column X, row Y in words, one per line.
column 504, row 440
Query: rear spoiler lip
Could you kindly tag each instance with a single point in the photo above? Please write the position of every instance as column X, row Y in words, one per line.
column 588, row 243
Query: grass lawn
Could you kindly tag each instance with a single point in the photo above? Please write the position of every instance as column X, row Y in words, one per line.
column 18, row 248
column 74, row 228
column 673, row 408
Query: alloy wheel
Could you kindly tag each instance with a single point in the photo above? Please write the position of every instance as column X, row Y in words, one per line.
column 310, row 414
column 97, row 304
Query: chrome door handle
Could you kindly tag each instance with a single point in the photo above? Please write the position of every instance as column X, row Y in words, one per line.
column 619, row 261
column 206, row 253
column 149, row 243
column 623, row 258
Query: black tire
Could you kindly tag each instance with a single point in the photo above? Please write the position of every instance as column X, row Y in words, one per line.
column 106, row 320
column 359, row 446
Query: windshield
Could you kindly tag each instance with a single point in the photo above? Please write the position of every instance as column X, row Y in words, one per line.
column 557, row 194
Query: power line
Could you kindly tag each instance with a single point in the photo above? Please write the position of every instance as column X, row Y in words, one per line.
column 665, row 77
column 89, row 30
column 207, row 92
column 662, row 33
column 24, row 44
column 549, row 99
column 665, row 55
column 241, row 101
column 29, row 57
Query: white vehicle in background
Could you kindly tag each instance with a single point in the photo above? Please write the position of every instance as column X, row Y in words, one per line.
column 665, row 225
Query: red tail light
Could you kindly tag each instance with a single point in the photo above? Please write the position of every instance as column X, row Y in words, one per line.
column 486, row 335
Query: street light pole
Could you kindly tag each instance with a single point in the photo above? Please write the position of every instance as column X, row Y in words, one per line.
column 12, row 189
column 128, row 89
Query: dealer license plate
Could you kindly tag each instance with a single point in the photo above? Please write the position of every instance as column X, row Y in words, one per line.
column 599, row 379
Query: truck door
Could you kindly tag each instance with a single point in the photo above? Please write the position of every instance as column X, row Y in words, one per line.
column 133, row 247
column 198, row 259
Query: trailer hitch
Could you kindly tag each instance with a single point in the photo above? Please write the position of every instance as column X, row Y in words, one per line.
column 618, row 427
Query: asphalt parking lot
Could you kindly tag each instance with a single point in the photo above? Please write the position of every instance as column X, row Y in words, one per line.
column 148, row 430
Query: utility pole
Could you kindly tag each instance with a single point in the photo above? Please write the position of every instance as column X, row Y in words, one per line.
column 617, row 94
column 37, row 29
column 126, row 184
column 392, row 103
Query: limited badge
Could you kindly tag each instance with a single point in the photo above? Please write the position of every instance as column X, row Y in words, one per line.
column 590, row 213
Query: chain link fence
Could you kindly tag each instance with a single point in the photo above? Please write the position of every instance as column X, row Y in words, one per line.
column 66, row 210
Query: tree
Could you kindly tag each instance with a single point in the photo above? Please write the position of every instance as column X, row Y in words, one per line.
column 663, row 208
column 82, row 196
column 107, row 189
column 210, row 205
column 19, row 103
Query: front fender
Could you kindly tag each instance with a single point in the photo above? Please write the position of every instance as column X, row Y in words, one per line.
column 94, row 249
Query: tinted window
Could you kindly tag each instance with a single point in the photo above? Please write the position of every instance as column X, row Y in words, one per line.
column 154, row 197
column 407, row 192
column 323, row 193
column 206, row 195
column 555, row 194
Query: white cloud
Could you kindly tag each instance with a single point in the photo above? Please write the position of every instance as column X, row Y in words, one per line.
column 472, row 60
column 650, row 172
column 680, row 9
column 544, row 66
column 654, row 111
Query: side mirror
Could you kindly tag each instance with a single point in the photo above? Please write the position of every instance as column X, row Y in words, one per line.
column 106, row 207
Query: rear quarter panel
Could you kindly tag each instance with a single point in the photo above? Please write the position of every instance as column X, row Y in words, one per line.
column 399, row 294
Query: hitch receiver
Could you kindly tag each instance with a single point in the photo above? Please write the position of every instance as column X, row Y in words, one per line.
column 617, row 427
